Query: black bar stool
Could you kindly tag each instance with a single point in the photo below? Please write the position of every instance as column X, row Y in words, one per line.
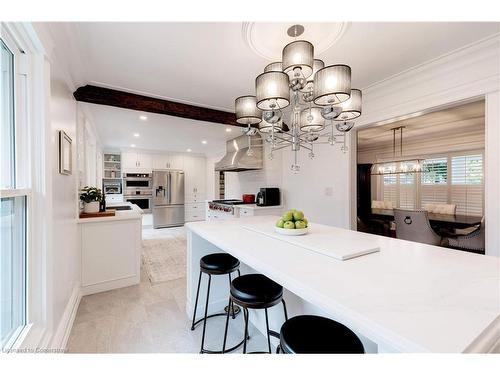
column 255, row 291
column 311, row 334
column 215, row 264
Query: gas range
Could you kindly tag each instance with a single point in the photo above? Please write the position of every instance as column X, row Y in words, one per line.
column 224, row 205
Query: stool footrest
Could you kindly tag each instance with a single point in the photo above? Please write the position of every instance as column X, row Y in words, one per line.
column 193, row 326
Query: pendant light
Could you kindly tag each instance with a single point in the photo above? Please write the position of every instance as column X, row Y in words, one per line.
column 298, row 57
column 311, row 120
column 274, row 67
column 399, row 164
column 272, row 90
column 246, row 110
column 317, row 65
column 351, row 108
column 332, row 85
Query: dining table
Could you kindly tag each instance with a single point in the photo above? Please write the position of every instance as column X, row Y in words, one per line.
column 458, row 221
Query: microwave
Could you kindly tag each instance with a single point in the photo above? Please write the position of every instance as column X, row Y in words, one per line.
column 137, row 180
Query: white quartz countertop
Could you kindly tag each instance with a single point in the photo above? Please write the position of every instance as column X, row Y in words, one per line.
column 409, row 296
column 134, row 214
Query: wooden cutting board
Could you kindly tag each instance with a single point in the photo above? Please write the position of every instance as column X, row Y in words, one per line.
column 98, row 214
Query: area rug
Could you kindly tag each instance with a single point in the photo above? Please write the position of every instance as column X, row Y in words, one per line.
column 164, row 254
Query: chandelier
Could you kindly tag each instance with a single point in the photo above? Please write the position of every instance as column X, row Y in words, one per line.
column 397, row 164
column 319, row 100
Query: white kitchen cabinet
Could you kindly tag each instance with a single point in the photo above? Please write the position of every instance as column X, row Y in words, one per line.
column 254, row 210
column 168, row 161
column 194, row 185
column 137, row 162
column 194, row 211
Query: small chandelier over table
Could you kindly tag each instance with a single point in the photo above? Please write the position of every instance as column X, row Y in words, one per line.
column 323, row 104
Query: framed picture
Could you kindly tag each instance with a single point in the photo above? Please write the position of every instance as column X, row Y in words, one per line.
column 65, row 154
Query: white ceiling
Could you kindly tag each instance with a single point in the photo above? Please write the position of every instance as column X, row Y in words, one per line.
column 210, row 64
column 461, row 120
column 116, row 128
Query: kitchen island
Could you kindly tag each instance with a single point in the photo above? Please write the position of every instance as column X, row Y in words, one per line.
column 110, row 249
column 408, row 297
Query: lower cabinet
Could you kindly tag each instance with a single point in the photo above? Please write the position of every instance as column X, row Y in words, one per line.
column 195, row 211
column 111, row 253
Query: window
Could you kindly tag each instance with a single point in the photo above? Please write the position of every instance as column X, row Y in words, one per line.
column 455, row 179
column 13, row 210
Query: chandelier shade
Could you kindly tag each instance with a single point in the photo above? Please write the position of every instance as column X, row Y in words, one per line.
column 274, row 67
column 246, row 110
column 351, row 108
column 267, row 127
column 272, row 90
column 332, row 85
column 317, row 65
column 298, row 54
column 311, row 120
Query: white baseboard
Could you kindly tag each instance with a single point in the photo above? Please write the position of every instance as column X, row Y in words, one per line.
column 61, row 335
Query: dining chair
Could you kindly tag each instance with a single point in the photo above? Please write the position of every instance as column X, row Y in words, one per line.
column 440, row 208
column 473, row 241
column 413, row 225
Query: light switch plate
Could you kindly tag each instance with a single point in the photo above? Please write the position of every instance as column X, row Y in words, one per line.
column 329, row 191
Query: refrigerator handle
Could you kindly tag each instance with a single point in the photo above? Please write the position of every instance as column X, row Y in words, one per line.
column 169, row 188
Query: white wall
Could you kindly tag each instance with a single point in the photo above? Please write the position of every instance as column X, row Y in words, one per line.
column 250, row 182
column 321, row 187
column 65, row 257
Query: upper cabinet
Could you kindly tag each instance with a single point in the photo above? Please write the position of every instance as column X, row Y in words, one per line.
column 168, row 161
column 137, row 162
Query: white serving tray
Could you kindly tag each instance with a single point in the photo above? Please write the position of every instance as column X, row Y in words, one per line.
column 328, row 241
column 291, row 232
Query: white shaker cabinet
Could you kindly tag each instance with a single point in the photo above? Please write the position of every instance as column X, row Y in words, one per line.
column 168, row 161
column 137, row 162
column 194, row 187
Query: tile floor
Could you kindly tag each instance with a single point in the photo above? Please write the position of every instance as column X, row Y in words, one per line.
column 148, row 318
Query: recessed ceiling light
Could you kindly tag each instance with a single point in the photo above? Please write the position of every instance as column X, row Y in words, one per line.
column 228, row 129
column 143, row 117
column 188, row 150
column 204, row 142
column 136, row 135
column 132, row 145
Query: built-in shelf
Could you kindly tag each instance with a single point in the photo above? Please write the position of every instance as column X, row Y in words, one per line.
column 112, row 166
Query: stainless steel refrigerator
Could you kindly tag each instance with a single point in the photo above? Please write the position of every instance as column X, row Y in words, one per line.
column 168, row 198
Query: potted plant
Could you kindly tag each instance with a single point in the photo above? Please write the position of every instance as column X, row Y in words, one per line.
column 91, row 198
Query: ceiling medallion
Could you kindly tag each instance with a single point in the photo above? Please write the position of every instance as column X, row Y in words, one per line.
column 316, row 95
column 323, row 35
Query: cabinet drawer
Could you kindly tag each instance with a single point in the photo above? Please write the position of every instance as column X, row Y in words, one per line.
column 195, row 206
column 195, row 216
column 246, row 212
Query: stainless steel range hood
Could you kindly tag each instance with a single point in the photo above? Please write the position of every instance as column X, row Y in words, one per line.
column 238, row 158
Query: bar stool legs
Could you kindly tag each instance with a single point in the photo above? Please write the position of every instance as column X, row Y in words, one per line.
column 246, row 337
column 230, row 310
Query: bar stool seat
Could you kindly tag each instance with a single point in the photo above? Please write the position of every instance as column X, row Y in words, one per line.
column 256, row 291
column 310, row 334
column 219, row 264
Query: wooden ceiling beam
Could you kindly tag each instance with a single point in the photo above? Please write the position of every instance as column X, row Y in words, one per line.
column 122, row 99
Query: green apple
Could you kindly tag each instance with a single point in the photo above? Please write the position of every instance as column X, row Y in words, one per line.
column 305, row 221
column 298, row 215
column 287, row 216
column 289, row 225
column 299, row 224
column 280, row 223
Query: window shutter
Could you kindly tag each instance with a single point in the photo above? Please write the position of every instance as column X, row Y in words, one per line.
column 467, row 184
column 407, row 190
column 390, row 189
column 434, row 184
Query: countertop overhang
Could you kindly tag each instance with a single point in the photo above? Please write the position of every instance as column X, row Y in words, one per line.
column 134, row 214
column 409, row 296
